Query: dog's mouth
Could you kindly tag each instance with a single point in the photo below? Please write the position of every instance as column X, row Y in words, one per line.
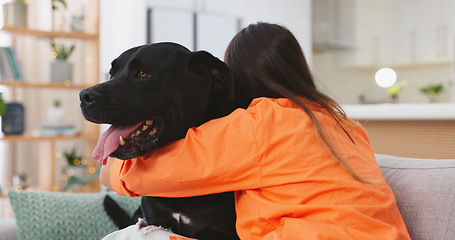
column 127, row 142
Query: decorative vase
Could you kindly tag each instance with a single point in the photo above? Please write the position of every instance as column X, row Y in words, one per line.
column 15, row 14
column 60, row 71
column 74, row 172
column 20, row 180
column 55, row 114
column 77, row 171
column 13, row 119
column 77, row 23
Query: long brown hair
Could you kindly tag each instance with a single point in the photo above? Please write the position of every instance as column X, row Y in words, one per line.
column 269, row 62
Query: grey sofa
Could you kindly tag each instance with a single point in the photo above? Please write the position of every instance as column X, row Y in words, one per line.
column 424, row 189
column 425, row 193
column 8, row 229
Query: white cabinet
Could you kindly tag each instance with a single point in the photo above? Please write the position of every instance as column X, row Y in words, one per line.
column 403, row 32
column 214, row 32
column 192, row 29
column 171, row 24
column 334, row 24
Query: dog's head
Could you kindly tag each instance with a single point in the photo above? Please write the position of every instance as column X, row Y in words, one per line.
column 155, row 94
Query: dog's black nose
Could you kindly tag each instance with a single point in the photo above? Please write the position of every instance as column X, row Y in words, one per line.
column 89, row 96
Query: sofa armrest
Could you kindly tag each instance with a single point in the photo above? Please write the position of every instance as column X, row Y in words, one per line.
column 425, row 193
column 8, row 229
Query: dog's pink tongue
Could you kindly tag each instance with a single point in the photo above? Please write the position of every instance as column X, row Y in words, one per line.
column 109, row 142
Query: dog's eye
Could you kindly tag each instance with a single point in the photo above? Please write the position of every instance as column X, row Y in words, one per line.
column 142, row 74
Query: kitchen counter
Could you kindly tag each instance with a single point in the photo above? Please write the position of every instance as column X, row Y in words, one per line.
column 408, row 129
column 401, row 111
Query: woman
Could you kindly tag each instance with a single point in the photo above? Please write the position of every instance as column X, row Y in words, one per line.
column 299, row 167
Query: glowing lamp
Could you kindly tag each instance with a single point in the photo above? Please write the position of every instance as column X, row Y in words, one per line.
column 385, row 77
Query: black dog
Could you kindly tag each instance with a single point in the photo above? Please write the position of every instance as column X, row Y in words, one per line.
column 155, row 94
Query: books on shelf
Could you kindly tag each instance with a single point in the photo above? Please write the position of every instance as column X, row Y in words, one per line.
column 53, row 129
column 10, row 68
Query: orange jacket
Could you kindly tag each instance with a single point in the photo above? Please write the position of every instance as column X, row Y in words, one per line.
column 287, row 185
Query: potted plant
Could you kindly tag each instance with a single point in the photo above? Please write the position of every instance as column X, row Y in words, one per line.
column 395, row 89
column 55, row 114
column 15, row 14
column 3, row 105
column 432, row 91
column 55, row 5
column 61, row 69
column 75, row 164
column 20, row 180
column 59, row 14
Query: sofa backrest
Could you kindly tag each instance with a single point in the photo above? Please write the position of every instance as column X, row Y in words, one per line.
column 425, row 193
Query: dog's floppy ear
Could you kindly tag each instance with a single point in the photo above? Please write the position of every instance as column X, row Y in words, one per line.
column 218, row 70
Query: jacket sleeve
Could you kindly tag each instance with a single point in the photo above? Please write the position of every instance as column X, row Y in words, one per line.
column 218, row 156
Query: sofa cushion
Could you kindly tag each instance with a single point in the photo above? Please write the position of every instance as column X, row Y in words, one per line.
column 425, row 193
column 57, row 215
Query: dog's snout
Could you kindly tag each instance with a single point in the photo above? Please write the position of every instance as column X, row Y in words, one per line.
column 88, row 96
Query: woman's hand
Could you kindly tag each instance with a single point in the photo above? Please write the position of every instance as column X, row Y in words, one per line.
column 105, row 174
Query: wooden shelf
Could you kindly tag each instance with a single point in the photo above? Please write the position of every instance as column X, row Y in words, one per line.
column 28, row 138
column 67, row 85
column 50, row 34
column 46, row 174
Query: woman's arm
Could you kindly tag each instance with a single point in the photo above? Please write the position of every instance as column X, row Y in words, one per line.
column 218, row 156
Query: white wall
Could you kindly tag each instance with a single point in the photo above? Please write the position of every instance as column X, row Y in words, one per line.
column 296, row 15
column 122, row 26
column 453, row 62
column 123, row 23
